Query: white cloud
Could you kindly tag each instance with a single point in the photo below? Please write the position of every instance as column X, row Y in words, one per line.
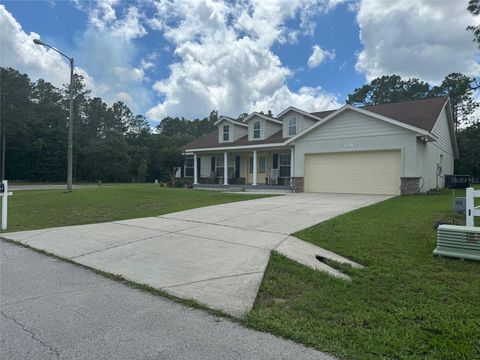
column 147, row 65
column 319, row 55
column 18, row 51
column 129, row 74
column 225, row 57
column 129, row 27
column 308, row 99
column 101, row 12
column 125, row 98
column 424, row 39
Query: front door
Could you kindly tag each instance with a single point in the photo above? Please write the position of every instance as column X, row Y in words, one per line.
column 261, row 168
column 249, row 169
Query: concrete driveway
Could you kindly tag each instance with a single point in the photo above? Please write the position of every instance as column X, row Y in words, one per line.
column 216, row 255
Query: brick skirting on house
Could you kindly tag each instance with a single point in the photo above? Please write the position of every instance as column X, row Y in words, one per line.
column 297, row 184
column 409, row 185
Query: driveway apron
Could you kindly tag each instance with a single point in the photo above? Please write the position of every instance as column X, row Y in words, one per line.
column 215, row 255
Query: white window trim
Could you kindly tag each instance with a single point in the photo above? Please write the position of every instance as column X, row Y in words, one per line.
column 259, row 128
column 226, row 127
column 289, row 125
column 280, row 165
column 185, row 167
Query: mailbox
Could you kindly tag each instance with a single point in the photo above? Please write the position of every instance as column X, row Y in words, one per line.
column 460, row 205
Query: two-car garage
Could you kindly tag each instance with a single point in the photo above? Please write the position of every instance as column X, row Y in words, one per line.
column 360, row 172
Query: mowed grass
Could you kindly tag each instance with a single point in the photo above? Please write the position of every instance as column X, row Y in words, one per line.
column 406, row 304
column 37, row 209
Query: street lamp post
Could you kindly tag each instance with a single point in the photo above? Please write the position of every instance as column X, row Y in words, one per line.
column 70, row 121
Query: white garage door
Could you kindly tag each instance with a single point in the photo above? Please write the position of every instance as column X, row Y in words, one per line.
column 362, row 172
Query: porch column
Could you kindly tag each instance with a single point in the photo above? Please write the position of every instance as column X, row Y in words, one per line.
column 292, row 162
column 254, row 183
column 195, row 177
column 225, row 168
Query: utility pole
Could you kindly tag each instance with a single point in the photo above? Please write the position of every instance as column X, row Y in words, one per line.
column 2, row 137
column 70, row 120
column 70, row 134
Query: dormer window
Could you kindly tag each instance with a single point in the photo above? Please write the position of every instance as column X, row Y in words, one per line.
column 226, row 132
column 256, row 130
column 292, row 126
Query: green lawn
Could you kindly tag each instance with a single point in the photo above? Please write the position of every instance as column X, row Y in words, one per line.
column 406, row 304
column 36, row 209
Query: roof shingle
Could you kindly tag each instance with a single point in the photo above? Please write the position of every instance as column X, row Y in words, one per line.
column 419, row 113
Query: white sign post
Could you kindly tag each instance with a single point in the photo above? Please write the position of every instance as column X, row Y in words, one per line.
column 5, row 194
column 472, row 211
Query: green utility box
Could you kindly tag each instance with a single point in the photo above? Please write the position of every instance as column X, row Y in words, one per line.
column 458, row 241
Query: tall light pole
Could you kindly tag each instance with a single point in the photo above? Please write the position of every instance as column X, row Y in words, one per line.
column 70, row 122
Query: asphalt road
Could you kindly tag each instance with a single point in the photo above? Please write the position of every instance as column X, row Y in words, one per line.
column 55, row 310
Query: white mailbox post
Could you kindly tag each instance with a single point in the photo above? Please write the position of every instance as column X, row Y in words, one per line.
column 471, row 210
column 5, row 194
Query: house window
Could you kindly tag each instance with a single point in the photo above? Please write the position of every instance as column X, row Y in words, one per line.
column 256, row 130
column 284, row 162
column 261, row 164
column 189, row 167
column 219, row 163
column 292, row 126
column 212, row 164
column 226, row 132
column 250, row 167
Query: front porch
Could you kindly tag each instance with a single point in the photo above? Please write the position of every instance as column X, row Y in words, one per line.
column 248, row 169
column 245, row 188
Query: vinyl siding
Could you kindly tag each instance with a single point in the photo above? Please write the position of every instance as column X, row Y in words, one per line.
column 270, row 128
column 352, row 131
column 352, row 124
column 236, row 131
column 429, row 155
column 442, row 131
column 239, row 132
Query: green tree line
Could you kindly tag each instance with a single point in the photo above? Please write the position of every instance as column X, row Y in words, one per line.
column 111, row 144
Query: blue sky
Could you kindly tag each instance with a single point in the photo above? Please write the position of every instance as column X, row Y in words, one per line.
column 186, row 58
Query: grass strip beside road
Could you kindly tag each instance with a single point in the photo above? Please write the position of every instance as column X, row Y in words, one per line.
column 39, row 209
column 406, row 303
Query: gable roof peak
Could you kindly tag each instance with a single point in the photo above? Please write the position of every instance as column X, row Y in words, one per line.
column 255, row 113
column 229, row 119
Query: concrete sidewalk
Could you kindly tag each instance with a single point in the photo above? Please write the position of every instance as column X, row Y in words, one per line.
column 18, row 187
column 216, row 255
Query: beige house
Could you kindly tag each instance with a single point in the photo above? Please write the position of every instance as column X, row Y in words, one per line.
column 396, row 148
